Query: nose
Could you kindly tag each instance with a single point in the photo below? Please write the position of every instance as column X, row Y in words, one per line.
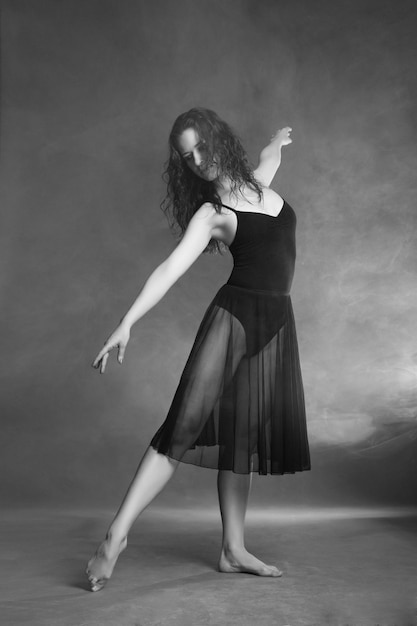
column 197, row 159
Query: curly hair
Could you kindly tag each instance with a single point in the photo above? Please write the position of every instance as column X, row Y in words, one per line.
column 186, row 192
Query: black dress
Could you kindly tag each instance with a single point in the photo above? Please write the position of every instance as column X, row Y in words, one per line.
column 239, row 404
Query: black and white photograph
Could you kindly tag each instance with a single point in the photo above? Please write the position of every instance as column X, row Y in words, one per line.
column 208, row 286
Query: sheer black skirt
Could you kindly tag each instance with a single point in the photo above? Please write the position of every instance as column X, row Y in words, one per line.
column 239, row 404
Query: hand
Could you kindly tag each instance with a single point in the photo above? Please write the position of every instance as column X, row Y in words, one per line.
column 118, row 339
column 282, row 136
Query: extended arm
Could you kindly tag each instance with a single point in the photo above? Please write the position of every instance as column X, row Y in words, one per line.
column 270, row 157
column 194, row 242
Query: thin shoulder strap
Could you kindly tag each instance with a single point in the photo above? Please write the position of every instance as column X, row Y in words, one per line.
column 226, row 206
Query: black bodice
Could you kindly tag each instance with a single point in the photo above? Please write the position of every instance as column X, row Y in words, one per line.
column 263, row 250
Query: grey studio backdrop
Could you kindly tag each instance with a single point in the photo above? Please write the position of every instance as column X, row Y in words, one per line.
column 89, row 92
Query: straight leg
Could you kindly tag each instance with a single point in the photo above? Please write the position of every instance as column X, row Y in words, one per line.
column 153, row 473
column 233, row 490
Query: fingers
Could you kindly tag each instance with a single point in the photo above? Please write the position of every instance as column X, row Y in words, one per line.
column 282, row 134
column 118, row 339
column 98, row 358
column 121, row 354
column 285, row 132
column 102, row 357
column 101, row 354
column 103, row 363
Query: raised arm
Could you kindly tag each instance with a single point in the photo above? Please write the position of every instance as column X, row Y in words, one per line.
column 195, row 240
column 270, row 157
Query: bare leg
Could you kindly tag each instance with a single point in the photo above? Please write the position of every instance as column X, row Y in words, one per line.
column 152, row 475
column 233, row 498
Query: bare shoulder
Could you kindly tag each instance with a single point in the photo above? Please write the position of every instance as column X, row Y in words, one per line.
column 222, row 224
column 205, row 213
column 208, row 213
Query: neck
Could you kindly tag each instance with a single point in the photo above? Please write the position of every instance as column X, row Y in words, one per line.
column 223, row 184
column 224, row 188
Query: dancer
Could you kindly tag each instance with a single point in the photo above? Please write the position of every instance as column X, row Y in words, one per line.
column 239, row 405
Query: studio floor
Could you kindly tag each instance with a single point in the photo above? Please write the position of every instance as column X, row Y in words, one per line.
column 342, row 567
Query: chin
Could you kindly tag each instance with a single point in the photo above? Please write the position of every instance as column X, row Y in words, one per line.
column 211, row 174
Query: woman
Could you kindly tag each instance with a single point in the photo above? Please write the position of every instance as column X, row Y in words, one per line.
column 239, row 406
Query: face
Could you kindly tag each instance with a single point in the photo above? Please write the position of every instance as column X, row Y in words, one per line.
column 194, row 152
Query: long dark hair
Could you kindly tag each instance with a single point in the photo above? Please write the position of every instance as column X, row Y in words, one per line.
column 186, row 192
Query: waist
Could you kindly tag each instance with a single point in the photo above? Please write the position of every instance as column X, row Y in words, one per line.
column 271, row 273
column 254, row 290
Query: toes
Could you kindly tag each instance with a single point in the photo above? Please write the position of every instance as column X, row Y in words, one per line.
column 96, row 584
column 93, row 583
column 275, row 572
column 271, row 570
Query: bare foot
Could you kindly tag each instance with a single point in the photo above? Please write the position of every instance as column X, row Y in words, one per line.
column 241, row 561
column 101, row 565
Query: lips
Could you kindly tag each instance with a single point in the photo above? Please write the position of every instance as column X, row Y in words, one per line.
column 206, row 170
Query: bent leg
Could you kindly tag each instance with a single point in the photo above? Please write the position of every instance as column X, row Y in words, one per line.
column 233, row 492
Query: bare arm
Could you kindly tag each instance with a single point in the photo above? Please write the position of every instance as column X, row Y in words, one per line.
column 270, row 157
column 194, row 242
